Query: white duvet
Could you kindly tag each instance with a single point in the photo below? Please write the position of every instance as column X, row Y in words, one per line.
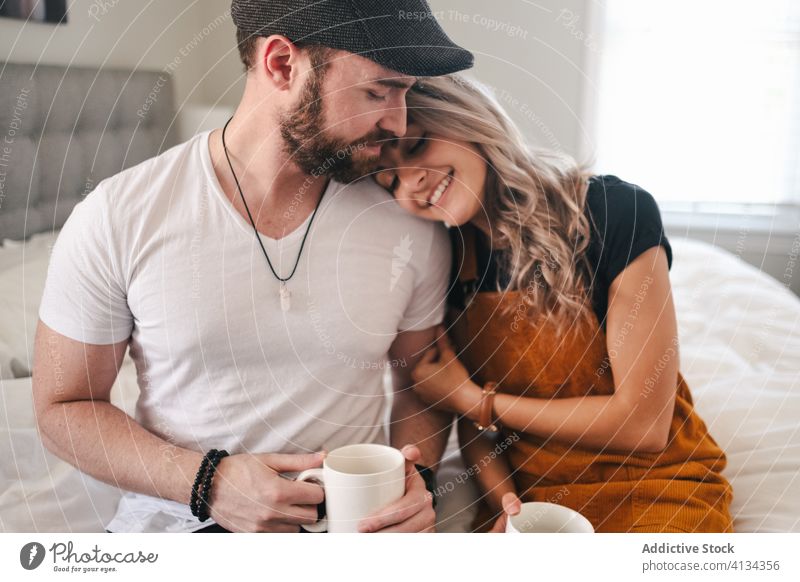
column 740, row 340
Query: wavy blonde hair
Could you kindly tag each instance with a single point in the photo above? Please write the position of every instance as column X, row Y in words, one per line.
column 534, row 198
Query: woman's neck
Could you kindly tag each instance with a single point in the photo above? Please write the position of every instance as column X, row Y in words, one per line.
column 481, row 221
column 483, row 224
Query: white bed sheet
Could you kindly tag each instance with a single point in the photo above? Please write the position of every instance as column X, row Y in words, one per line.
column 740, row 353
column 740, row 337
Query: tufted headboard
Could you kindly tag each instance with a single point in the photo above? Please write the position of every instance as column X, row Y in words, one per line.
column 63, row 130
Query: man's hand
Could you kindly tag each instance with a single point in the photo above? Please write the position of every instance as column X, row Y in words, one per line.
column 442, row 381
column 250, row 495
column 413, row 512
column 511, row 506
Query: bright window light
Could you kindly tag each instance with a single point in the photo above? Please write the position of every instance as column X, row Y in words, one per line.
column 699, row 100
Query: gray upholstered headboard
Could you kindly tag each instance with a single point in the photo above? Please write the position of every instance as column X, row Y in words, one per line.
column 63, row 130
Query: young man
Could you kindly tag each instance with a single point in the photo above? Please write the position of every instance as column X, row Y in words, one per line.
column 261, row 295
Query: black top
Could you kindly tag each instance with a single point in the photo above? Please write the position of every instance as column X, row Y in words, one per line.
column 624, row 221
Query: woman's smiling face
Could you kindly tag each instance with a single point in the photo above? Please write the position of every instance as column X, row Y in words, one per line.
column 433, row 177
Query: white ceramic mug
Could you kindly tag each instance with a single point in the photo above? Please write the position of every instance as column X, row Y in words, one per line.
column 541, row 517
column 358, row 480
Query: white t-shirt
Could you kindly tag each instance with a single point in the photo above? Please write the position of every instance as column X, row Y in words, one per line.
column 158, row 254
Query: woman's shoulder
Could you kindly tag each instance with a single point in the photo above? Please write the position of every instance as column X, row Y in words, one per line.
column 615, row 203
column 625, row 221
column 614, row 196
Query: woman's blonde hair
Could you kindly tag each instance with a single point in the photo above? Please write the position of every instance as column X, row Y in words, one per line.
column 535, row 199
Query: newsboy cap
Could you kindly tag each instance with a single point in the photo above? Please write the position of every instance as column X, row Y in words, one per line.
column 402, row 35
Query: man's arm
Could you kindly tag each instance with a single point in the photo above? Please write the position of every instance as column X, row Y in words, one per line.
column 413, row 421
column 71, row 389
column 71, row 392
column 424, row 429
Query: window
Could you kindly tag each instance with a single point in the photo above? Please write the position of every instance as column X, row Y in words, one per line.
column 699, row 101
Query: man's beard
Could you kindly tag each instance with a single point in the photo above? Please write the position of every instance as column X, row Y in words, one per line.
column 316, row 153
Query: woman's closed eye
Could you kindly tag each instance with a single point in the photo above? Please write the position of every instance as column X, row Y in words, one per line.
column 418, row 145
column 387, row 180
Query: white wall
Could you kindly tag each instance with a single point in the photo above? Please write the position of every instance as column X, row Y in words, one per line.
column 530, row 53
column 147, row 35
column 223, row 73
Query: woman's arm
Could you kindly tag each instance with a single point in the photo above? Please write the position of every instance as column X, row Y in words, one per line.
column 485, row 459
column 642, row 342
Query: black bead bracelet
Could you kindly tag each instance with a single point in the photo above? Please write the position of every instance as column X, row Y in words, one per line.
column 194, row 500
column 201, row 490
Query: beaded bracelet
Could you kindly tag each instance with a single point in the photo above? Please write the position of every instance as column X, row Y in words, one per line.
column 205, row 494
column 194, row 500
column 202, row 484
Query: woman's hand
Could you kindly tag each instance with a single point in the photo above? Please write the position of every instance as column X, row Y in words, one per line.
column 443, row 382
column 511, row 506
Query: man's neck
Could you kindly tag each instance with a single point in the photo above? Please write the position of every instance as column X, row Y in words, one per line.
column 279, row 195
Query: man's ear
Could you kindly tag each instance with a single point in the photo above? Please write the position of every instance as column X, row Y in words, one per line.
column 280, row 60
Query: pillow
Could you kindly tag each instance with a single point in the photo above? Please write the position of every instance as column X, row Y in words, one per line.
column 12, row 252
column 5, row 362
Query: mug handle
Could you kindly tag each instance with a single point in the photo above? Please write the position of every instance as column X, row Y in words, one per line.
column 315, row 476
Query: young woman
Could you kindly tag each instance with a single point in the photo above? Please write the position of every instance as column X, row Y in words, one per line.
column 562, row 322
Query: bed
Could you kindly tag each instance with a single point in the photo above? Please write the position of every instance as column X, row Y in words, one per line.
column 739, row 329
column 740, row 336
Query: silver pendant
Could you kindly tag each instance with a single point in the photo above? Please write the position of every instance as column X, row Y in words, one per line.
column 286, row 297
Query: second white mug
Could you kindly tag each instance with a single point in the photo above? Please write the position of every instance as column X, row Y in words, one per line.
column 358, row 480
column 542, row 517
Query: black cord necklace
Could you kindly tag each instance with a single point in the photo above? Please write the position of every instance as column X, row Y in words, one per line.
column 285, row 294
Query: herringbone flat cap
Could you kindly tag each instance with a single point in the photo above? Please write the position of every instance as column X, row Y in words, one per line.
column 402, row 35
